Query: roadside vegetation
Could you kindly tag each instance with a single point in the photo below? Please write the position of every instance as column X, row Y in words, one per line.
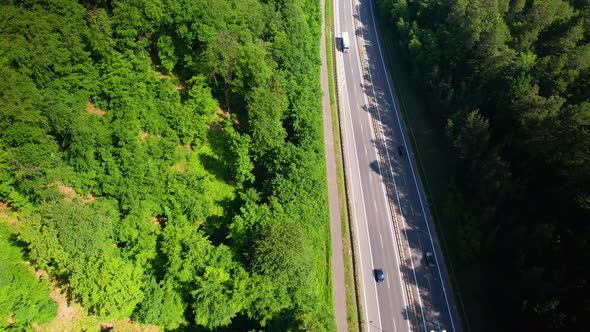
column 351, row 299
column 508, row 83
column 165, row 161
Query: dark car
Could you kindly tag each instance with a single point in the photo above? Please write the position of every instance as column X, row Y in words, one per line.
column 429, row 258
column 401, row 150
column 379, row 275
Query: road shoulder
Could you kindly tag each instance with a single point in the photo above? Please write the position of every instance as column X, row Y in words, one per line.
column 337, row 259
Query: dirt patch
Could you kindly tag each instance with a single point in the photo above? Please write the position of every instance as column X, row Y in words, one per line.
column 106, row 326
column 90, row 108
column 89, row 198
column 70, row 193
column 216, row 126
column 179, row 86
column 224, row 113
column 41, row 274
column 7, row 213
column 160, row 74
column 71, row 316
column 155, row 220
column 180, row 166
column 65, row 313
column 144, row 134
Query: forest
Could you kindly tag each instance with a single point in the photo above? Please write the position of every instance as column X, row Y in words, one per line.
column 163, row 161
column 509, row 83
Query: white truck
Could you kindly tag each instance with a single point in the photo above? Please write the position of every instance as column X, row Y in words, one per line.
column 345, row 42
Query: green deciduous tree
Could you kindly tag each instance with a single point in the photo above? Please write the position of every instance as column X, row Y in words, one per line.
column 239, row 147
column 218, row 296
column 111, row 148
column 23, row 299
column 162, row 304
column 107, row 286
column 280, row 251
column 64, row 234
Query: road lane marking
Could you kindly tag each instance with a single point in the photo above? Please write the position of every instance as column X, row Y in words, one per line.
column 366, row 221
column 401, row 283
column 381, row 237
column 347, row 103
column 394, row 184
column 410, row 162
column 342, row 73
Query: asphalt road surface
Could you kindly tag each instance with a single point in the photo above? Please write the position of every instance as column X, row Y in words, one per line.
column 393, row 228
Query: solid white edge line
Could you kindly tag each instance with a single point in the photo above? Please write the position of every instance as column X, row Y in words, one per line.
column 340, row 57
column 385, row 195
column 397, row 196
column 365, row 215
column 411, row 166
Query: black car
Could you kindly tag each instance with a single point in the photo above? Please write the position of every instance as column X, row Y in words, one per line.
column 379, row 275
column 429, row 258
column 401, row 150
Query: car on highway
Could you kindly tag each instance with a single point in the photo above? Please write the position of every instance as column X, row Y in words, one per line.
column 429, row 258
column 401, row 150
column 379, row 275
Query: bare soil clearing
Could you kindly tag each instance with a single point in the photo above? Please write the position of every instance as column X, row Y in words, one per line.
column 90, row 108
column 70, row 193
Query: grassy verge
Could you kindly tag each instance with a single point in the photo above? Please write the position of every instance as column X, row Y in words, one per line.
column 352, row 308
column 436, row 169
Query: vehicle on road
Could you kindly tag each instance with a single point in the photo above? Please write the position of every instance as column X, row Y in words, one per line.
column 429, row 258
column 379, row 275
column 401, row 150
column 345, row 42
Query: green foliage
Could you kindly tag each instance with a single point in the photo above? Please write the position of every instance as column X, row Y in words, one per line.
column 239, row 147
column 107, row 286
column 218, row 297
column 279, row 252
column 23, row 298
column 127, row 130
column 268, row 298
column 521, row 165
column 190, row 121
column 265, row 110
column 166, row 53
column 469, row 241
column 139, row 234
column 162, row 305
column 63, row 234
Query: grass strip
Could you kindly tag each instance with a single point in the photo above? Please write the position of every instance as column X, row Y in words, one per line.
column 351, row 300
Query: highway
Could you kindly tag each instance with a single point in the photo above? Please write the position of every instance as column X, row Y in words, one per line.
column 392, row 224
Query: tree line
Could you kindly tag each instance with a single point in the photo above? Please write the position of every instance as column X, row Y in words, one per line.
column 165, row 158
column 509, row 82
